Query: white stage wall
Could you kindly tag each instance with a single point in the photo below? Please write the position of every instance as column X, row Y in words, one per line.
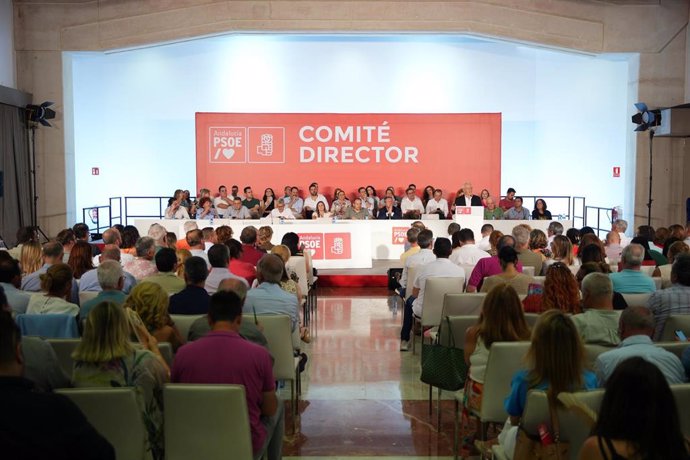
column 131, row 113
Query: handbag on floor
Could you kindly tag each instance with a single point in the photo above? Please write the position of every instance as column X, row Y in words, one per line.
column 443, row 366
column 530, row 447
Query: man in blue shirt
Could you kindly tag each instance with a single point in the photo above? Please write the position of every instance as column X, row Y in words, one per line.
column 111, row 281
column 52, row 254
column 631, row 280
column 10, row 281
column 636, row 329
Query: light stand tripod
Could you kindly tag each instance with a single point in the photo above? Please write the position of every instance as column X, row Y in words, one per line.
column 649, row 203
column 34, row 193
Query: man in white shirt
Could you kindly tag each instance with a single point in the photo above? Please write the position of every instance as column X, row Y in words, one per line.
column 620, row 226
column 425, row 239
column 313, row 198
column 219, row 256
column 280, row 211
column 195, row 240
column 295, row 203
column 222, row 202
column 237, row 211
column 441, row 267
column 555, row 229
column 468, row 253
column 411, row 206
column 438, row 204
column 484, row 243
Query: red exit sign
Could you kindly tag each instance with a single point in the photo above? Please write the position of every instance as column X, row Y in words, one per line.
column 95, row 171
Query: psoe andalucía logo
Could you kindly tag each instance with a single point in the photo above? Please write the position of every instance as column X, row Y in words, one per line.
column 227, row 144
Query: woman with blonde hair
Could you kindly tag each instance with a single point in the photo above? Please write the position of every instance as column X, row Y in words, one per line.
column 31, row 258
column 501, row 320
column 538, row 243
column 493, row 241
column 106, row 358
column 561, row 251
column 561, row 292
column 150, row 302
column 555, row 363
column 290, row 283
column 264, row 236
column 80, row 259
column 182, row 255
column 56, row 283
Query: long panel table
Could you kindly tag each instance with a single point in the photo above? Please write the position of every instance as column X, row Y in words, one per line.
column 347, row 243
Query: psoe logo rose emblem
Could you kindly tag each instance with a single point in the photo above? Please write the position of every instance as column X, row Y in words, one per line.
column 227, row 145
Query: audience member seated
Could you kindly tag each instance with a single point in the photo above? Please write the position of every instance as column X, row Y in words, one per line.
column 619, row 302
column 24, row 235
column 638, row 417
column 112, row 238
column 528, row 258
column 237, row 265
column 89, row 280
column 166, row 263
column 206, row 210
column 223, row 202
column 237, row 210
column 467, row 252
column 67, row 239
column 205, row 361
column 193, row 299
column 52, row 254
column 208, row 236
column 56, row 284
column 321, row 211
column 556, row 363
column 636, row 327
column 10, row 281
column 502, row 320
column 31, row 258
column 621, row 226
column 554, row 229
column 111, row 281
column 195, row 240
column 411, row 237
column 508, row 259
column 599, row 322
column 490, row 266
column 281, row 211
column 494, row 237
column 561, row 251
column 538, row 245
column 517, row 212
column 252, row 204
column 540, row 212
column 664, row 271
column 106, row 358
column 560, row 292
column 289, row 281
column 356, row 211
column 143, row 265
column 250, row 253
column 651, row 258
column 65, row 434
column 176, row 211
column 440, row 267
column 631, row 280
column 81, row 233
column 310, row 203
column 268, row 298
column 437, row 204
column 411, row 206
column 389, row 210
column 263, row 238
column 340, row 204
column 466, row 197
column 150, row 302
column 219, row 257
column 295, row 203
column 80, row 259
column 674, row 300
column 484, row 244
column 508, row 201
column 130, row 236
column 491, row 211
column 291, row 240
column 613, row 247
column 425, row 239
column 660, row 236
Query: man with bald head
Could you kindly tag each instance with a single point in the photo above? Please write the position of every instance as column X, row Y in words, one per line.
column 636, row 327
column 113, row 238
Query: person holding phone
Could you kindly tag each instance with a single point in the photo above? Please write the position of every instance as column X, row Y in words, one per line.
column 636, row 329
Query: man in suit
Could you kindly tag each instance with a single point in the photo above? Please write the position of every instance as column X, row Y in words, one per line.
column 467, row 198
column 389, row 211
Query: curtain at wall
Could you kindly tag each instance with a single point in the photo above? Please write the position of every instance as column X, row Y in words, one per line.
column 15, row 194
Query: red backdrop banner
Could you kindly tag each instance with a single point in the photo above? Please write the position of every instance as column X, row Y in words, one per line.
column 348, row 151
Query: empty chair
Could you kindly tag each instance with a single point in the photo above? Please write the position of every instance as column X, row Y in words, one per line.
column 411, row 276
column 675, row 323
column 465, row 303
column 184, row 322
column 528, row 270
column 207, row 422
column 432, row 307
column 681, row 393
column 677, row 348
column 57, row 326
column 63, row 349
column 636, row 300
column 592, row 352
column 115, row 414
column 85, row 296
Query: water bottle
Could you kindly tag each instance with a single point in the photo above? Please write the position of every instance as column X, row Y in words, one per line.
column 282, row 220
column 211, row 220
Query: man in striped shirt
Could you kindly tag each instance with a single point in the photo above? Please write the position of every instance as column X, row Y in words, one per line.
column 674, row 300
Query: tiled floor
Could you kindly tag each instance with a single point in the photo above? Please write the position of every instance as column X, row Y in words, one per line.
column 361, row 395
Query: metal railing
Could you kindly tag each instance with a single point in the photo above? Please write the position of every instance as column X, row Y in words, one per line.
column 559, row 206
column 602, row 216
column 93, row 216
column 579, row 203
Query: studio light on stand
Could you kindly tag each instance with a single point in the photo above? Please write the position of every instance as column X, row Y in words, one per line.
column 647, row 120
column 35, row 115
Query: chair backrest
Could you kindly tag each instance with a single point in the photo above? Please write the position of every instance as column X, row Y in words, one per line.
column 539, row 280
column 299, row 265
column 528, row 270
column 636, row 300
column 677, row 348
column 85, row 296
column 465, row 303
column 574, row 269
column 63, row 349
column 115, row 414
column 278, row 333
column 573, row 428
column 53, row 326
column 468, row 271
column 647, row 269
column 167, row 352
column 434, row 291
column 531, row 319
column 681, row 393
column 184, row 322
column 309, row 265
column 206, row 421
column 411, row 276
column 458, row 328
column 505, row 359
column 673, row 324
column 592, row 352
